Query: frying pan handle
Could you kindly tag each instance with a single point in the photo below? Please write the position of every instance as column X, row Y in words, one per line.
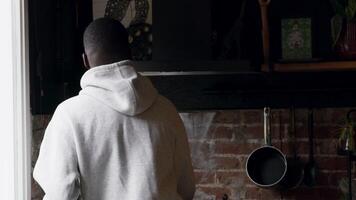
column 267, row 125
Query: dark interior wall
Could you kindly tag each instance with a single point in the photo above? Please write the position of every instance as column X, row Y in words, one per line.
column 206, row 30
column 56, row 28
column 181, row 30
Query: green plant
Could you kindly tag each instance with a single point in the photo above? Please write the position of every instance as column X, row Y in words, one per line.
column 347, row 135
column 345, row 11
column 343, row 186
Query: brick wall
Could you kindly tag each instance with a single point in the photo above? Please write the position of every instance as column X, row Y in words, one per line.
column 222, row 140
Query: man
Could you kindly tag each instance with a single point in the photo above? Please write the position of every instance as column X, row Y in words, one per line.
column 118, row 139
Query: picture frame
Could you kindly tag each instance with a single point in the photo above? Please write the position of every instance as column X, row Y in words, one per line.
column 296, row 39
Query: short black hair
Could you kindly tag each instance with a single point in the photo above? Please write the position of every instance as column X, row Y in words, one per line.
column 107, row 36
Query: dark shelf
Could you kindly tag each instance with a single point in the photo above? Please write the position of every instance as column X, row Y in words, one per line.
column 258, row 89
column 312, row 66
column 213, row 90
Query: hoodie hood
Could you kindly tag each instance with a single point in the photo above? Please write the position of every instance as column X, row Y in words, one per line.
column 119, row 86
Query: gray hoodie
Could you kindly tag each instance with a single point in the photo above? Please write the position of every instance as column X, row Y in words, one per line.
column 118, row 139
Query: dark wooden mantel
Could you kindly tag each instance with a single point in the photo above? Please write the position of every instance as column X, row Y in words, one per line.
column 258, row 89
column 212, row 87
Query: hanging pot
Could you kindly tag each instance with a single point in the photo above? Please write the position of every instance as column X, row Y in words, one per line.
column 267, row 166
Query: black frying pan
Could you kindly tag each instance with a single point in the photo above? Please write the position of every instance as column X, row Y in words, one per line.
column 267, row 166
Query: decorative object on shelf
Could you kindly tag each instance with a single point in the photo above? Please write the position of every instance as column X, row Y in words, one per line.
column 296, row 39
column 134, row 14
column 343, row 28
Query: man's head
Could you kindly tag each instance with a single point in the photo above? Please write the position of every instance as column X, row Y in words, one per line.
column 105, row 41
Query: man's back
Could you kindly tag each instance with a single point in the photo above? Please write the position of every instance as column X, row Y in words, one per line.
column 118, row 139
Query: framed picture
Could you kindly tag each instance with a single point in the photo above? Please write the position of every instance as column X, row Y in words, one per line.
column 296, row 39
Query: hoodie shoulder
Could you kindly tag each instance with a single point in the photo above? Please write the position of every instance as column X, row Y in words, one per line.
column 81, row 106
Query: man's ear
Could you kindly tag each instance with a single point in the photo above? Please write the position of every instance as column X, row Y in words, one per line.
column 85, row 61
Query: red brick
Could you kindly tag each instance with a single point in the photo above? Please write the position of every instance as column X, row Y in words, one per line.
column 204, row 177
column 201, row 154
column 249, row 132
column 202, row 162
column 330, row 178
column 221, row 132
column 330, row 116
column 329, row 193
column 227, row 116
column 326, row 147
column 302, row 131
column 228, row 147
column 302, row 147
column 252, row 116
column 305, row 193
column 200, row 132
column 270, row 194
column 217, row 192
column 331, row 163
column 327, row 131
column 321, row 147
column 231, row 179
column 278, row 117
column 228, row 163
column 261, row 194
column 252, row 192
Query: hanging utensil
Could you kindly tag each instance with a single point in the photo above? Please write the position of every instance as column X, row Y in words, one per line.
column 267, row 166
column 310, row 167
column 295, row 172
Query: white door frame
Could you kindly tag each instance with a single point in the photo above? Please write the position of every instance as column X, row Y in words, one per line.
column 22, row 114
column 15, row 143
